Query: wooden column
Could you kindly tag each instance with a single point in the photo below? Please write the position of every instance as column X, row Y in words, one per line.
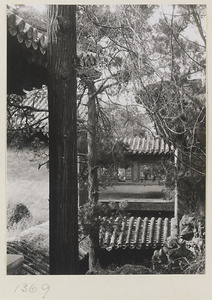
column 136, row 171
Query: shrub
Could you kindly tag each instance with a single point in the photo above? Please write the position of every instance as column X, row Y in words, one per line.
column 18, row 214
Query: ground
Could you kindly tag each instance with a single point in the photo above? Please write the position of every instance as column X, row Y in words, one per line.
column 28, row 185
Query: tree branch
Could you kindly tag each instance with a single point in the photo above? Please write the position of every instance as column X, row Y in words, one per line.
column 199, row 26
column 32, row 108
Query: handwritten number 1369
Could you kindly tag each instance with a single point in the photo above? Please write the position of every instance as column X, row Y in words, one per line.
column 32, row 288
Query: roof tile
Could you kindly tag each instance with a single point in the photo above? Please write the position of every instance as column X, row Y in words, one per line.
column 148, row 146
column 136, row 232
column 38, row 40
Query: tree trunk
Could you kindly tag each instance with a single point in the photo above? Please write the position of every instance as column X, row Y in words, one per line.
column 62, row 139
column 92, row 170
column 94, row 249
column 92, row 147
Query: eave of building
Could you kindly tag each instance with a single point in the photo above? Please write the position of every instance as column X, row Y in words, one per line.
column 36, row 101
column 136, row 233
column 26, row 33
column 148, row 146
column 34, row 38
column 27, row 56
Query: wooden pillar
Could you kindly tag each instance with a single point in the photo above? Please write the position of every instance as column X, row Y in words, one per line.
column 136, row 171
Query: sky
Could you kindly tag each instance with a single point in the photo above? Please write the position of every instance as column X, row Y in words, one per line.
column 191, row 32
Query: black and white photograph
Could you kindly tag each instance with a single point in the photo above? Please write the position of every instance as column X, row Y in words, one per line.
column 106, row 139
column 106, row 122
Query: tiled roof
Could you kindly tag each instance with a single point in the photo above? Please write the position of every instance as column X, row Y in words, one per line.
column 37, row 101
column 37, row 39
column 25, row 32
column 36, row 261
column 136, row 233
column 148, row 146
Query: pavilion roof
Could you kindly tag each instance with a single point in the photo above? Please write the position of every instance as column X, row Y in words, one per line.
column 148, row 146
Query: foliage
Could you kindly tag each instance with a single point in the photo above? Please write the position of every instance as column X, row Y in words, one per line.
column 17, row 118
column 19, row 212
column 197, row 266
column 93, row 215
column 184, row 253
column 192, row 263
column 18, row 217
column 22, row 125
column 128, row 120
column 165, row 70
column 195, row 199
column 177, row 105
